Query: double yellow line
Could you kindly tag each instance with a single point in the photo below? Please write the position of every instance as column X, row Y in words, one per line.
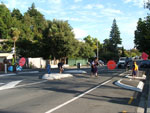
column 129, row 102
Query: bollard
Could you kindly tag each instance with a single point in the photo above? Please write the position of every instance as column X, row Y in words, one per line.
column 5, row 68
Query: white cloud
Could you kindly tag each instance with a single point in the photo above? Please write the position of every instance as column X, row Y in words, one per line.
column 79, row 33
column 41, row 1
column 139, row 3
column 11, row 4
column 46, row 11
column 127, row 1
column 54, row 1
column 74, row 7
column 72, row 19
column 91, row 6
column 77, row 0
column 99, row 6
column 112, row 11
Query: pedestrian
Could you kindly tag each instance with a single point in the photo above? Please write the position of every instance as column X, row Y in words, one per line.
column 48, row 68
column 94, row 69
column 127, row 64
column 134, row 69
column 60, row 66
column 14, row 63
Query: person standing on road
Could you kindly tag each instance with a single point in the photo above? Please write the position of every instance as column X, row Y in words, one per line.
column 14, row 63
column 134, row 69
column 127, row 64
column 60, row 66
column 94, row 69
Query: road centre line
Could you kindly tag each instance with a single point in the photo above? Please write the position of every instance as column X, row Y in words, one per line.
column 75, row 98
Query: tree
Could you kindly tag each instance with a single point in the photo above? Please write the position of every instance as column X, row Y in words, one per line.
column 115, row 35
column 59, row 39
column 84, row 51
column 142, row 35
column 15, row 35
column 93, row 43
column 147, row 5
column 110, row 46
column 5, row 22
column 122, row 52
column 16, row 13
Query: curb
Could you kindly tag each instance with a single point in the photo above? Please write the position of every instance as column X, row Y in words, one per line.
column 28, row 72
column 25, row 72
column 148, row 101
column 139, row 88
column 55, row 76
column 139, row 78
column 1, row 75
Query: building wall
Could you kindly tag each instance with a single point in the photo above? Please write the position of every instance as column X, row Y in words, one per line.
column 36, row 63
column 74, row 62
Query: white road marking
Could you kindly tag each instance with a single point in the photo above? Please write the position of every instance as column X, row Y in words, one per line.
column 31, row 84
column 75, row 98
column 10, row 85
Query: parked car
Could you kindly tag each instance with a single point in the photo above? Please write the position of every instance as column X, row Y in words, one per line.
column 121, row 62
column 145, row 64
column 101, row 63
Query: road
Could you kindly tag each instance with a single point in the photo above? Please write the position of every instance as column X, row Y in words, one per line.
column 78, row 94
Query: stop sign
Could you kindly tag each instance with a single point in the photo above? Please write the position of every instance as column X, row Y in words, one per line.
column 111, row 64
column 144, row 56
column 22, row 61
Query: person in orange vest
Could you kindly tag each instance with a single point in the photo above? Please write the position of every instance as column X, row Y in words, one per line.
column 134, row 69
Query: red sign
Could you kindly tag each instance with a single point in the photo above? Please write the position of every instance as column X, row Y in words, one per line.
column 144, row 56
column 22, row 61
column 111, row 64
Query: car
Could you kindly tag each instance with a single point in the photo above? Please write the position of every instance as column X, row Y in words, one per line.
column 145, row 64
column 121, row 62
column 101, row 63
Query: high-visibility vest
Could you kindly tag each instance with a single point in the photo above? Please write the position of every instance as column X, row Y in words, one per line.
column 13, row 61
column 136, row 67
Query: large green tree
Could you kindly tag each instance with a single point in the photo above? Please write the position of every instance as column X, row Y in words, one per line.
column 110, row 46
column 59, row 39
column 5, row 22
column 142, row 35
column 16, row 13
column 93, row 43
column 115, row 35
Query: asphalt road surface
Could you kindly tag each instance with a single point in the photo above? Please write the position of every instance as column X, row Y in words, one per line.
column 78, row 94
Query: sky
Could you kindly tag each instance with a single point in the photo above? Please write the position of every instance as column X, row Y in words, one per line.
column 90, row 17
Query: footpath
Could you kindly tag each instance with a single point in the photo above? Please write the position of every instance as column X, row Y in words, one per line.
column 141, row 84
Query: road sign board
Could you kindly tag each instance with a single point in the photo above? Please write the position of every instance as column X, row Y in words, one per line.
column 22, row 61
column 111, row 64
column 144, row 56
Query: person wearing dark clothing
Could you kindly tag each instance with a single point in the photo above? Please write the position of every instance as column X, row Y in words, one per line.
column 94, row 69
column 127, row 63
column 60, row 66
